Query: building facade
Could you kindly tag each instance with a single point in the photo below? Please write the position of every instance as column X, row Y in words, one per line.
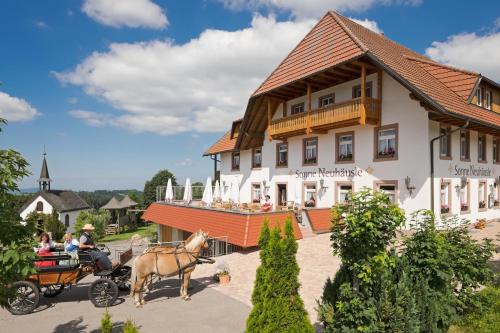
column 350, row 109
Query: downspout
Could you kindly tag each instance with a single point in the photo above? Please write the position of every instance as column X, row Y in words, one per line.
column 214, row 158
column 432, row 157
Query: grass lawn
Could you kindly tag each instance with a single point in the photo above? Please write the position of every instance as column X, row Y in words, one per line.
column 142, row 231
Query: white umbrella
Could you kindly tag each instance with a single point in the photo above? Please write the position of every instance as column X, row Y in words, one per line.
column 188, row 192
column 223, row 195
column 207, row 193
column 235, row 192
column 217, row 195
column 169, row 192
column 298, row 192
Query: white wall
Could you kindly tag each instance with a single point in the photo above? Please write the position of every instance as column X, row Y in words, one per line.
column 415, row 131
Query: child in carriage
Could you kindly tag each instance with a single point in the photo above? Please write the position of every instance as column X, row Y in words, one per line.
column 44, row 250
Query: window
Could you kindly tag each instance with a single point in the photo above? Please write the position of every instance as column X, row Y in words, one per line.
column 496, row 201
column 66, row 221
column 257, row 157
column 343, row 192
column 464, row 145
column 356, row 90
column 310, row 195
column 256, row 193
column 282, row 154
column 479, row 96
column 445, row 197
column 496, row 150
column 345, row 147
column 445, row 143
column 464, row 198
column 310, row 153
column 487, row 99
column 389, row 187
column 386, row 142
column 39, row 206
column 297, row 108
column 235, row 160
column 482, row 195
column 481, row 148
column 327, row 100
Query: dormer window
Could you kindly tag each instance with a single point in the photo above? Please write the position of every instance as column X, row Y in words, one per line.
column 479, row 97
column 487, row 99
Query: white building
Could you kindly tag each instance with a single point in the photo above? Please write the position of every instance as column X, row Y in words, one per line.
column 348, row 108
column 66, row 203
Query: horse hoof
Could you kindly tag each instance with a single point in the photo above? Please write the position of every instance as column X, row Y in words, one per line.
column 139, row 305
column 187, row 298
column 143, row 302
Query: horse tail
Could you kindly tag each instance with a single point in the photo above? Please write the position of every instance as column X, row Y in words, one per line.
column 133, row 276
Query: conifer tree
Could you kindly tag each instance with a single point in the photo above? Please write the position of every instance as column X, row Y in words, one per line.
column 255, row 316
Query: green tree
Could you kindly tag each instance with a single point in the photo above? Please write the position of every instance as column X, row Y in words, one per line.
column 98, row 218
column 106, row 323
column 160, row 179
column 16, row 240
column 49, row 223
column 198, row 189
column 282, row 308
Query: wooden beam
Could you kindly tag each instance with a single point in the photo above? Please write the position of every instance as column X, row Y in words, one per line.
column 380, row 74
column 309, row 106
column 285, row 108
column 334, row 73
column 362, row 120
column 269, row 118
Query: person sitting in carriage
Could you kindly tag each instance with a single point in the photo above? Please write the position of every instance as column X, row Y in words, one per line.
column 86, row 244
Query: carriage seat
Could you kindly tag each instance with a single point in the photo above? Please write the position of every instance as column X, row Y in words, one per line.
column 58, row 268
column 85, row 259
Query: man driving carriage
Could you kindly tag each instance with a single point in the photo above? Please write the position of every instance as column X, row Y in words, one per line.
column 87, row 244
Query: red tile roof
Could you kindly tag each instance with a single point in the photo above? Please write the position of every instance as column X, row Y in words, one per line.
column 324, row 46
column 336, row 39
column 223, row 145
column 320, row 219
column 241, row 229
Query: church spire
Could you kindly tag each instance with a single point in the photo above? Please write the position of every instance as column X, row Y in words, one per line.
column 44, row 180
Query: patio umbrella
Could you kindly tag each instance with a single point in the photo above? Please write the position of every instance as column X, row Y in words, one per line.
column 217, row 195
column 207, row 193
column 298, row 192
column 223, row 194
column 235, row 192
column 188, row 192
column 169, row 192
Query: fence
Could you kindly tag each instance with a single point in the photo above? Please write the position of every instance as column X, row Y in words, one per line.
column 197, row 192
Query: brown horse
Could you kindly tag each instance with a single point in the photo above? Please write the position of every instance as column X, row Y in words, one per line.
column 165, row 262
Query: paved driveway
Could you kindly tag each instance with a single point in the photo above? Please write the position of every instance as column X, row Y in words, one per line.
column 71, row 311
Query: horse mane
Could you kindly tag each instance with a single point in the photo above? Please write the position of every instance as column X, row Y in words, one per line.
column 194, row 241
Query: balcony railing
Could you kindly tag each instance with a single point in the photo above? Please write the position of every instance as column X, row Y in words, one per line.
column 337, row 115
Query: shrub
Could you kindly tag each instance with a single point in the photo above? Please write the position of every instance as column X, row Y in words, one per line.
column 486, row 317
column 99, row 219
column 106, row 324
column 130, row 327
column 277, row 303
column 50, row 223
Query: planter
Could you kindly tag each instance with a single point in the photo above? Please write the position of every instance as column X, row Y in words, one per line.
column 480, row 224
column 224, row 279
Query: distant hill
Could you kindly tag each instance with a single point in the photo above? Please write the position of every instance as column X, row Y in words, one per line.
column 29, row 190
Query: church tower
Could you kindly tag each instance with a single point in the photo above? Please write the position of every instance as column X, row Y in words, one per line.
column 44, row 180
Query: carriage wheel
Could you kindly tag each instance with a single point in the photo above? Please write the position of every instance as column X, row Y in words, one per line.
column 26, row 298
column 53, row 290
column 103, row 292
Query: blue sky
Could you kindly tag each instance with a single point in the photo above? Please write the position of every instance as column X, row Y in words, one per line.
column 116, row 93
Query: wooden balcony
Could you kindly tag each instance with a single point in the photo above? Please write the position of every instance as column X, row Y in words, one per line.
column 348, row 113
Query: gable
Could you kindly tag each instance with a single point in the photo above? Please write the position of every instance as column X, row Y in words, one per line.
column 326, row 45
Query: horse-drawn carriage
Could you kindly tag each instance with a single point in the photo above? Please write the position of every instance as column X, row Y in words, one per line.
column 64, row 270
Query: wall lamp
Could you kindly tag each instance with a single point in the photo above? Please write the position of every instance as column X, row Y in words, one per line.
column 409, row 187
column 322, row 184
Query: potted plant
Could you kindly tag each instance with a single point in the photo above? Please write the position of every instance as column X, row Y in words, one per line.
column 496, row 203
column 222, row 273
column 445, row 209
column 480, row 224
column 482, row 204
column 464, row 207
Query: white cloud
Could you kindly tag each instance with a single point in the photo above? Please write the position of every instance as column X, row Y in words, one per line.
column 129, row 13
column 41, row 25
column 185, row 162
column 312, row 8
column 16, row 109
column 480, row 53
column 372, row 25
column 199, row 86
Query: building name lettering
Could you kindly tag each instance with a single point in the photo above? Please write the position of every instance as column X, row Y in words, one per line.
column 472, row 171
column 323, row 172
